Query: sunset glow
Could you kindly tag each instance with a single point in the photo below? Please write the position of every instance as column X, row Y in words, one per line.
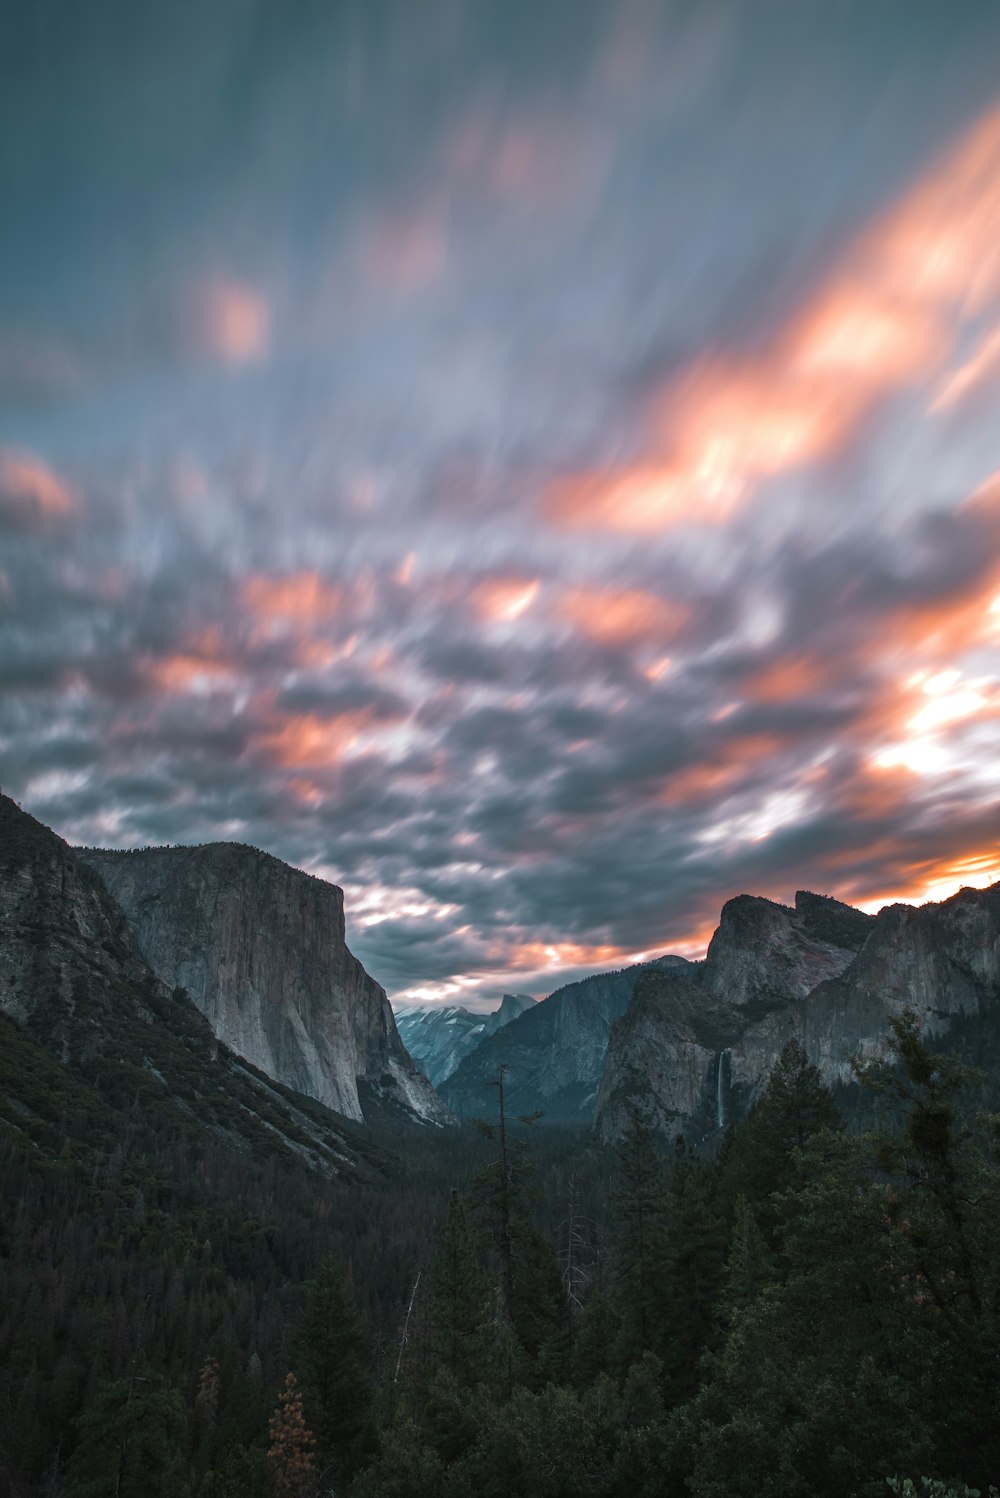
column 542, row 477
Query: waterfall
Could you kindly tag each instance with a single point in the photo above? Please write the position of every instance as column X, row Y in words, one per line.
column 720, row 1090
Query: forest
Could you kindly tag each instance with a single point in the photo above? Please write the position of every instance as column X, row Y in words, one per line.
column 512, row 1310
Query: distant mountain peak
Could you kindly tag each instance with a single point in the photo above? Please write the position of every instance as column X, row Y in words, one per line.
column 510, row 1006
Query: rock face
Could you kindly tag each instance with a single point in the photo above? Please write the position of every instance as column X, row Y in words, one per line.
column 694, row 1051
column 510, row 1006
column 941, row 959
column 260, row 948
column 439, row 1037
column 554, row 1051
column 85, row 1021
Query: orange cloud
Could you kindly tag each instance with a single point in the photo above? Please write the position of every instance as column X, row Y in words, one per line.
column 875, row 791
column 505, row 599
column 533, row 956
column 787, row 680
column 640, row 499
column 296, row 598
column 943, row 627
column 917, row 880
column 942, row 243
column 31, row 493
column 700, row 783
column 230, row 321
column 926, row 726
column 882, row 321
column 622, row 618
column 187, row 673
column 308, row 741
column 723, row 769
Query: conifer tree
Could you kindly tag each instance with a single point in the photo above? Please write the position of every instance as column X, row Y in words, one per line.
column 239, row 1473
column 333, row 1364
column 794, row 1108
column 290, row 1452
column 696, row 1248
column 529, row 1298
column 641, row 1242
column 130, row 1439
column 461, row 1309
column 748, row 1264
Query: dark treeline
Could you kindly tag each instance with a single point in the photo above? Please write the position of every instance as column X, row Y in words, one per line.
column 516, row 1312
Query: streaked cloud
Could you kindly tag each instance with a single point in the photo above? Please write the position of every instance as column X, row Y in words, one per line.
column 537, row 472
column 886, row 318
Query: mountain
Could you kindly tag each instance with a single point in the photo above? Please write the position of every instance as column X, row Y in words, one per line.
column 510, row 1006
column 942, row 959
column 554, row 1051
column 438, row 1037
column 694, row 1049
column 260, row 948
column 93, row 1043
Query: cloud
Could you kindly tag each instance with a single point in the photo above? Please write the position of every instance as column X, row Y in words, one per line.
column 623, row 617
column 33, row 497
column 294, row 599
column 668, row 270
column 505, row 599
column 883, row 320
column 976, row 371
column 228, row 320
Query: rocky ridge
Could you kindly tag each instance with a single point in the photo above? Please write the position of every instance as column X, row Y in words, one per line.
column 437, row 1037
column 694, row 1049
column 554, row 1051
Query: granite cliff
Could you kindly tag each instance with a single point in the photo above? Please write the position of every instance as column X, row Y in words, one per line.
column 260, row 948
column 694, row 1049
column 941, row 959
column 89, row 1034
column 554, row 1050
column 510, row 1006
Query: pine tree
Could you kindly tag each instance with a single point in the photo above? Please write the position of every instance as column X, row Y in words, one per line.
column 461, row 1309
column 794, row 1109
column 290, row 1452
column 943, row 1203
column 207, row 1398
column 748, row 1264
column 333, row 1364
column 529, row 1299
column 500, row 1188
column 696, row 1248
column 239, row 1473
column 642, row 1251
column 130, row 1439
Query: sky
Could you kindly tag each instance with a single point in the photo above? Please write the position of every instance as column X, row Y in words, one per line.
column 534, row 464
